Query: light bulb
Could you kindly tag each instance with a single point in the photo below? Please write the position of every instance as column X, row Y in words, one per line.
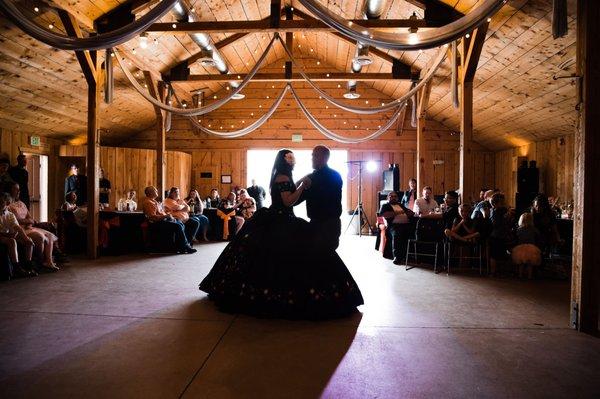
column 371, row 166
column 174, row 26
column 36, row 9
column 50, row 26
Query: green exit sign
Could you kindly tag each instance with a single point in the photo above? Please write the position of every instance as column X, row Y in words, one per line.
column 34, row 141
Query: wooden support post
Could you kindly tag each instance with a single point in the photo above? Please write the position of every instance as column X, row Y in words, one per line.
column 93, row 165
column 158, row 93
column 585, row 281
column 470, row 52
column 422, row 103
column 466, row 174
column 90, row 66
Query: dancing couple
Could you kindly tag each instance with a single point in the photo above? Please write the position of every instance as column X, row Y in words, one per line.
column 282, row 266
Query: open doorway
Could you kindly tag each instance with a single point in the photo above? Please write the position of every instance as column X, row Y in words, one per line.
column 37, row 167
column 260, row 163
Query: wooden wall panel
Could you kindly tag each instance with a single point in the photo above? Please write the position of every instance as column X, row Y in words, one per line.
column 554, row 159
column 13, row 142
column 134, row 168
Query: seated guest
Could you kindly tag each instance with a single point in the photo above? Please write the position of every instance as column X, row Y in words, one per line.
column 425, row 205
column 544, row 219
column 527, row 253
column 70, row 203
column 213, row 200
column 43, row 240
column 463, row 228
column 483, row 207
column 228, row 208
column 180, row 210
column 166, row 226
column 258, row 193
column 501, row 230
column 399, row 224
column 196, row 209
column 105, row 188
column 11, row 235
column 410, row 195
column 451, row 211
column 482, row 194
column 128, row 203
column 246, row 205
column 5, row 178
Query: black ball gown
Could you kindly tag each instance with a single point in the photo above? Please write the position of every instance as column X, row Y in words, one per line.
column 271, row 270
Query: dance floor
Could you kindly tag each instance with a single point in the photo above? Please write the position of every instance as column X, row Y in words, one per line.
column 137, row 326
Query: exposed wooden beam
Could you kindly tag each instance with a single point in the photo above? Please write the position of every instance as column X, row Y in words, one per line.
column 585, row 281
column 157, row 92
column 474, row 51
column 296, row 77
column 400, row 67
column 262, row 26
column 84, row 58
column 77, row 11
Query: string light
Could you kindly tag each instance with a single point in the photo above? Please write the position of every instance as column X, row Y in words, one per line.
column 489, row 19
column 214, row 97
column 318, row 62
column 327, row 75
column 231, row 125
column 382, row 104
column 112, row 54
column 174, row 26
column 339, row 86
column 467, row 35
column 36, row 9
column 267, row 97
column 344, row 122
column 243, row 121
column 251, row 113
column 50, row 26
column 366, row 101
column 209, row 125
column 335, row 115
column 220, row 127
column 260, row 106
column 356, row 127
column 312, row 50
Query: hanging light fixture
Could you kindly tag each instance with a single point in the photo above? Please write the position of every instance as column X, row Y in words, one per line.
column 361, row 56
column 351, row 94
column 144, row 40
column 206, row 58
column 236, row 96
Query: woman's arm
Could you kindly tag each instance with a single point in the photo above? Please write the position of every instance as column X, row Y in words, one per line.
column 289, row 198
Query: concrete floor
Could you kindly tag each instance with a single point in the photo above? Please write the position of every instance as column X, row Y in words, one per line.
column 137, row 326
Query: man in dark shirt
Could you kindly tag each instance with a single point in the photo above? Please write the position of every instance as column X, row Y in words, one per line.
column 20, row 175
column 105, row 187
column 324, row 201
column 78, row 183
column 399, row 224
column 258, row 193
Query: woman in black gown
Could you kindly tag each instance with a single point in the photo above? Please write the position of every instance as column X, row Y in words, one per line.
column 269, row 269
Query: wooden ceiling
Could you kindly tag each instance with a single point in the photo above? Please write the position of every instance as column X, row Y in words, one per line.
column 516, row 98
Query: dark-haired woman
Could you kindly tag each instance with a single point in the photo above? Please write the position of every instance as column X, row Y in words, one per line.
column 544, row 219
column 269, row 270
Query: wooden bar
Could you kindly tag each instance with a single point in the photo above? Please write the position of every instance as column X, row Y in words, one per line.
column 296, row 77
column 262, row 26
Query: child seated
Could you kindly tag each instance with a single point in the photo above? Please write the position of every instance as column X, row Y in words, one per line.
column 463, row 228
column 527, row 254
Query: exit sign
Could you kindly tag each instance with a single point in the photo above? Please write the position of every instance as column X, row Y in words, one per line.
column 34, row 141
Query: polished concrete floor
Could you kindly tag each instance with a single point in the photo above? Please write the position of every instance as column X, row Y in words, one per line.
column 137, row 327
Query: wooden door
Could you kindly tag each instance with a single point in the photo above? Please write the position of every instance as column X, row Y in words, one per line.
column 34, row 168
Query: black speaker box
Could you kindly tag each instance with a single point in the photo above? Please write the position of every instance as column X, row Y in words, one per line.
column 528, row 180
column 391, row 178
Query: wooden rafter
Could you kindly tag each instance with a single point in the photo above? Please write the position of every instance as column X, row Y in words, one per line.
column 157, row 92
column 262, row 26
column 281, row 77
